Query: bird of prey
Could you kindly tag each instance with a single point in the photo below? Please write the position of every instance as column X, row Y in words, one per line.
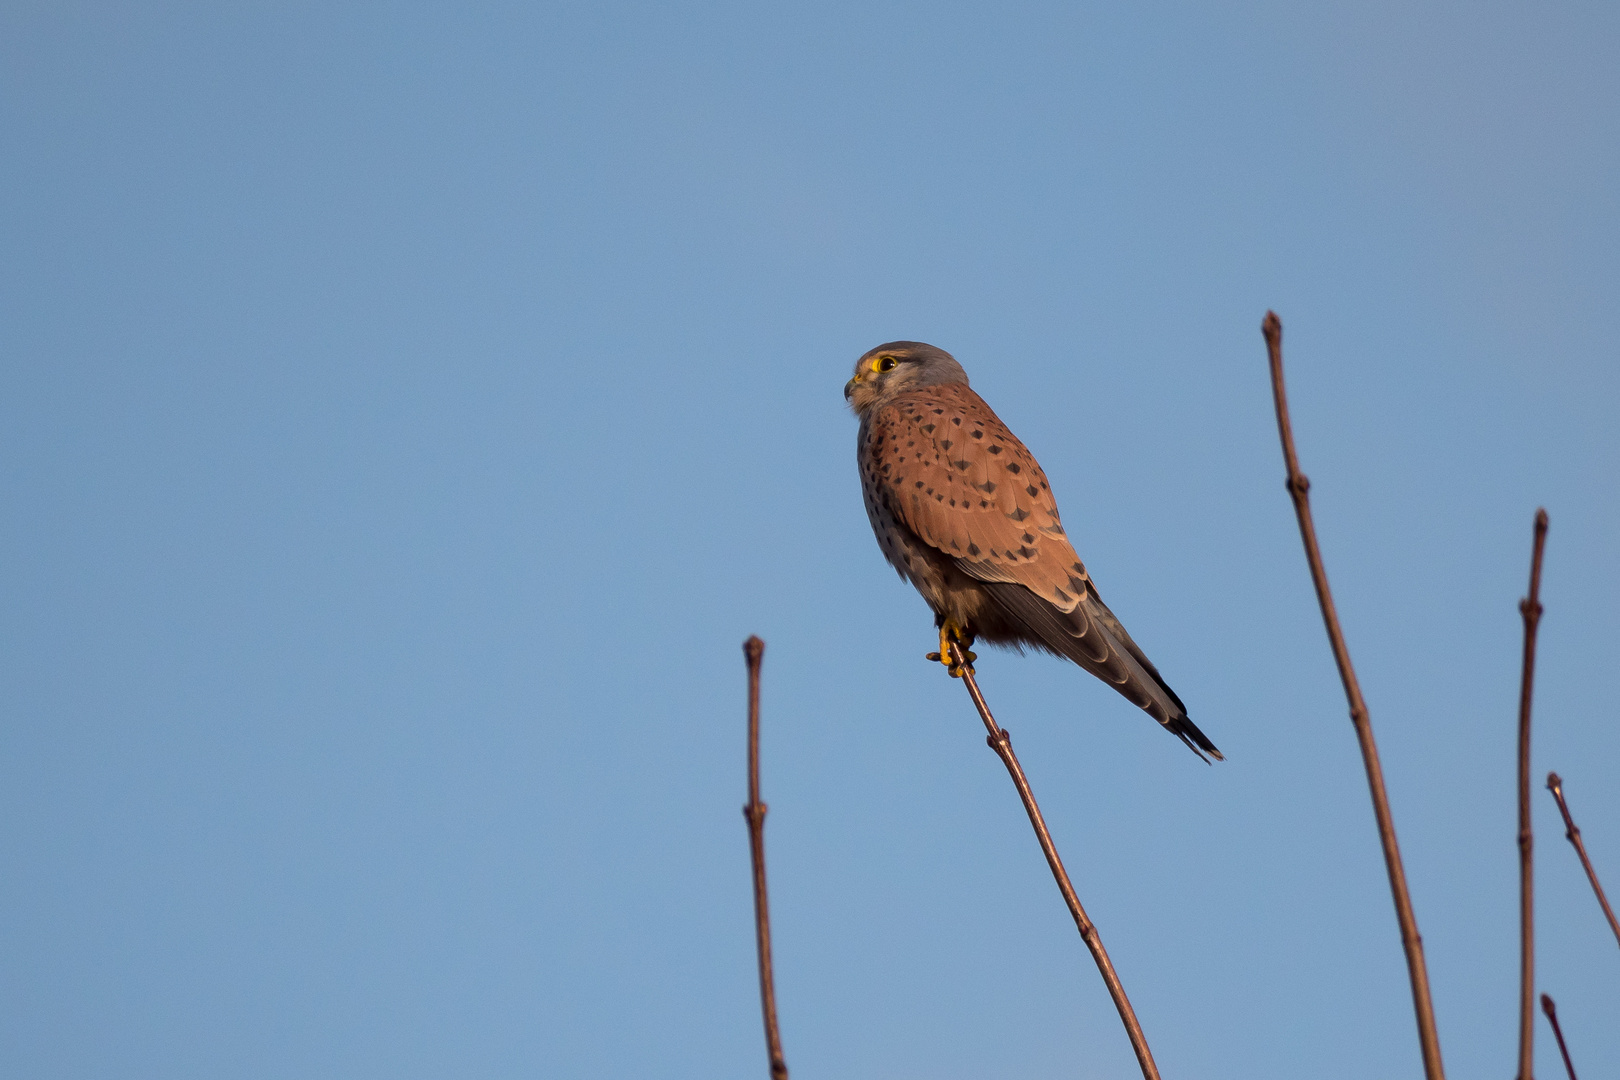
column 963, row 511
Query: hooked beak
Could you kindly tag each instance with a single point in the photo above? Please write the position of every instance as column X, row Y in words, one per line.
column 849, row 388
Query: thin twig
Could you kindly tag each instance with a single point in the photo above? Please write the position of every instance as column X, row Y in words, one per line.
column 754, row 811
column 1551, row 1010
column 1001, row 743
column 1299, row 488
column 1530, row 609
column 1572, row 832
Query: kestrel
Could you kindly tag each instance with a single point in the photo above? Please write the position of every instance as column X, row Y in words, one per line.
column 963, row 511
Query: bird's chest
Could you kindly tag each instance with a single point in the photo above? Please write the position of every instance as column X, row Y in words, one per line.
column 917, row 562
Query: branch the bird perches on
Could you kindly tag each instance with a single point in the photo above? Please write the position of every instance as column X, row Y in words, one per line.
column 1299, row 490
column 1001, row 742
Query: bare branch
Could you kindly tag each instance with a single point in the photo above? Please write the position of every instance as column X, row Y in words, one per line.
column 1573, row 833
column 1530, row 608
column 1298, row 489
column 1001, row 743
column 1551, row 1010
column 754, row 811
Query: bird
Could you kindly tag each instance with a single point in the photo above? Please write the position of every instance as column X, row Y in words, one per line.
column 964, row 512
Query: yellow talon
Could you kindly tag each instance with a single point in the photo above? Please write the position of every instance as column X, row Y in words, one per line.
column 950, row 633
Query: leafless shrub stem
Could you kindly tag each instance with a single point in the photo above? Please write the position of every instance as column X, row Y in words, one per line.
column 1001, row 743
column 1551, row 1010
column 1299, row 488
column 1530, row 608
column 754, row 811
column 1573, row 833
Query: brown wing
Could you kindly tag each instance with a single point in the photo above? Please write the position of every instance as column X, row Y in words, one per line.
column 950, row 470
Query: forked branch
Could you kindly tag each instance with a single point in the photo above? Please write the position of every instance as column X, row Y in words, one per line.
column 1001, row 743
column 754, row 811
column 1573, row 833
column 1299, row 489
column 1530, row 608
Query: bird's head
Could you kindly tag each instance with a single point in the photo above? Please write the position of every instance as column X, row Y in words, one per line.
column 893, row 369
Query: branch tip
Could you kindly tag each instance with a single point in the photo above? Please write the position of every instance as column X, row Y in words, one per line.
column 1558, row 1032
column 1530, row 611
column 1299, row 491
column 754, row 812
column 1572, row 833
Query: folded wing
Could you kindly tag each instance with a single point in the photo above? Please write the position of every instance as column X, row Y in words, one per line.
column 950, row 470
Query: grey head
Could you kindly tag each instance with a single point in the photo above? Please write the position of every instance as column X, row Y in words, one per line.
column 893, row 369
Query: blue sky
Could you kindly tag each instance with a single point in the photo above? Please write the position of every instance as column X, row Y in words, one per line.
column 407, row 410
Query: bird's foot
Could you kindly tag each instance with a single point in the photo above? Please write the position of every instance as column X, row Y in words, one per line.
column 952, row 634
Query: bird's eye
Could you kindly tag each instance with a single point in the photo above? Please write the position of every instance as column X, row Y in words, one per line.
column 885, row 364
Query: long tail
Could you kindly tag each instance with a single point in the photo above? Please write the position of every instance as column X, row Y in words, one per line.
column 1093, row 638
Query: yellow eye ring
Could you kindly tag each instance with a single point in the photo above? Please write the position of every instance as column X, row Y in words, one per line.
column 883, row 363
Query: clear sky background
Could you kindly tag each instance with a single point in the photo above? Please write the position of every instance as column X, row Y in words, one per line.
column 407, row 410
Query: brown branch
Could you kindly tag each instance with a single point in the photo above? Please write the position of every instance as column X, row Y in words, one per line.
column 1001, row 742
column 1299, row 488
column 1530, row 608
column 754, row 811
column 1572, row 833
column 1551, row 1010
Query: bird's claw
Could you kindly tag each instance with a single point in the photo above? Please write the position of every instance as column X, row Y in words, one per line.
column 952, row 634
